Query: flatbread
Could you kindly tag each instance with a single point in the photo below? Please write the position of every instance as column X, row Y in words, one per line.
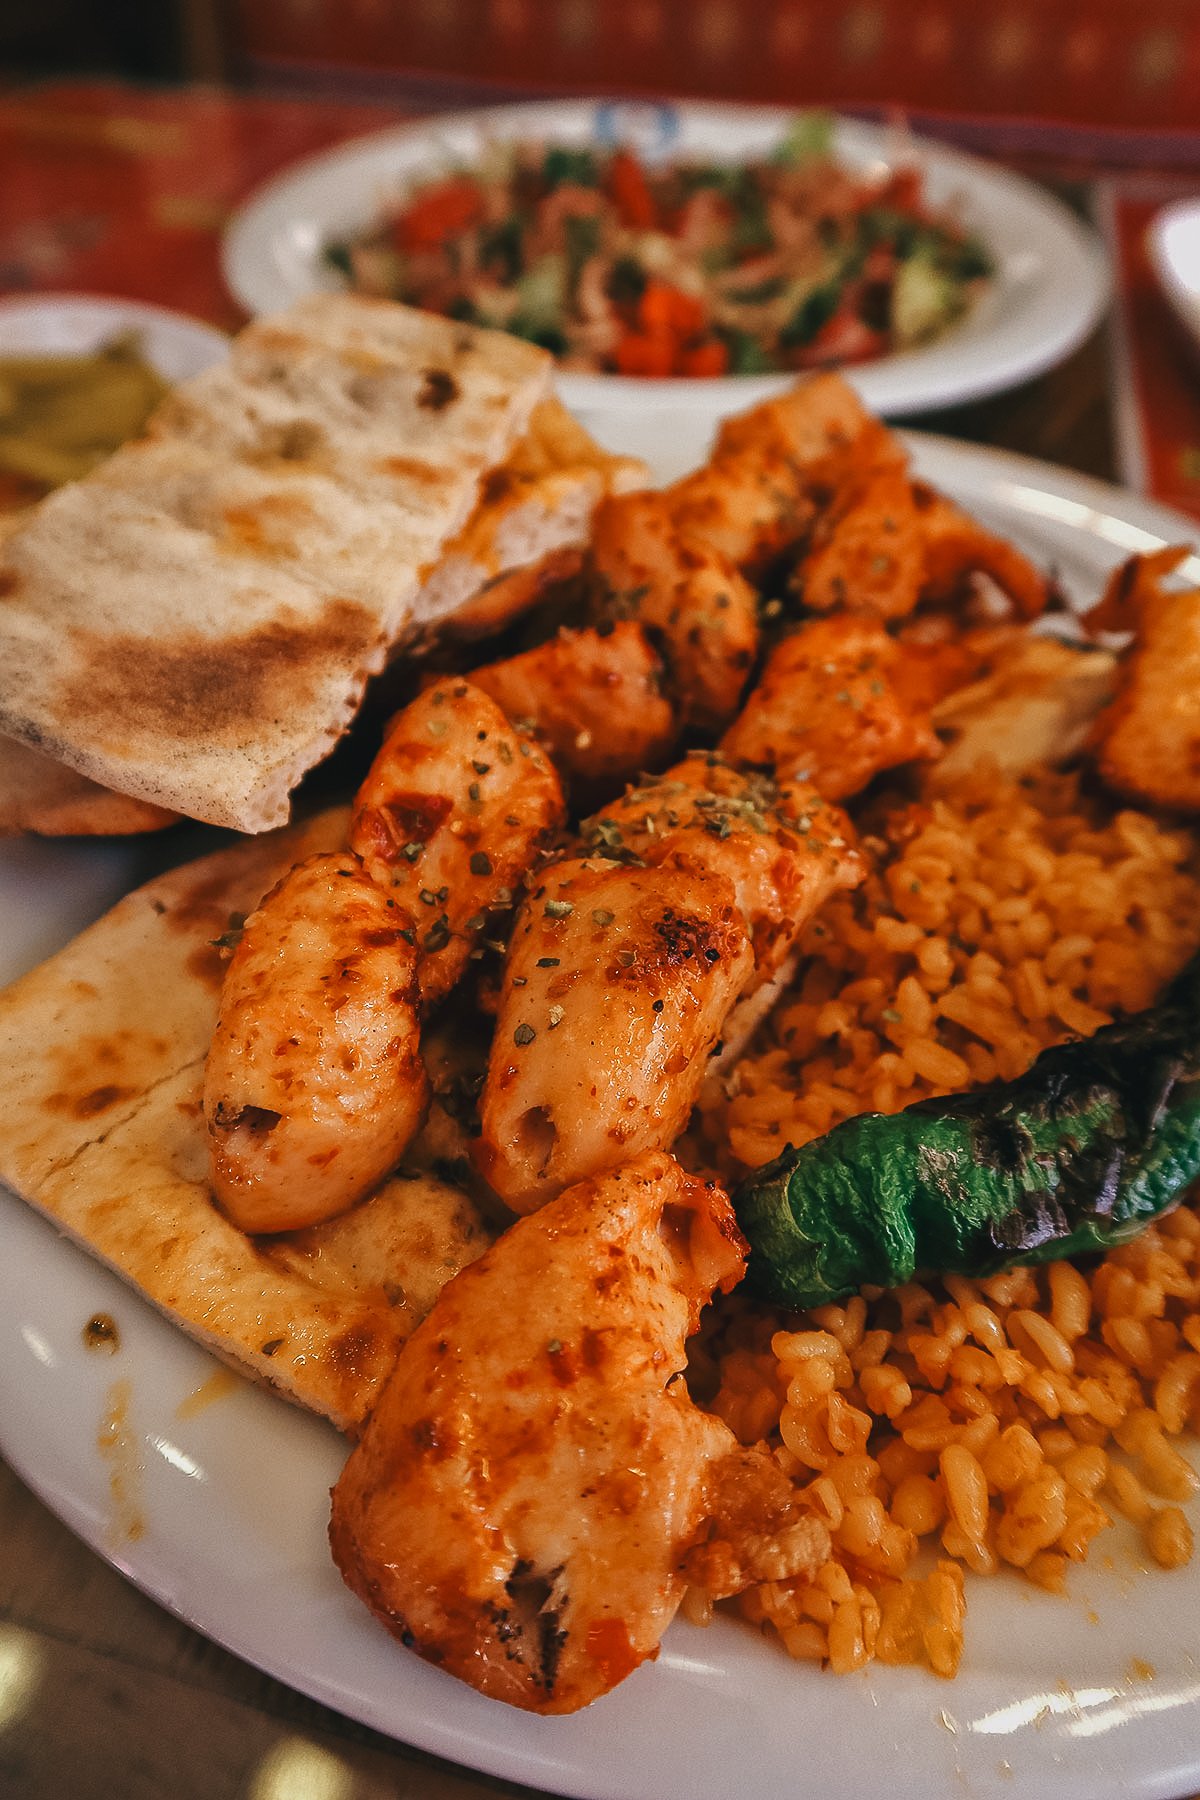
column 193, row 624
column 40, row 795
column 103, row 1132
column 536, row 505
column 534, row 511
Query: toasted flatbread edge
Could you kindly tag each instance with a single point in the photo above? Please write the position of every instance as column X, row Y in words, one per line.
column 247, row 785
column 103, row 1134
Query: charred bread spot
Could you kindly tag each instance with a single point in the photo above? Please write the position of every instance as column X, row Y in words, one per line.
column 200, row 686
column 498, row 484
column 356, row 1352
column 265, row 528
column 438, row 390
column 206, row 964
column 88, row 1105
column 408, row 469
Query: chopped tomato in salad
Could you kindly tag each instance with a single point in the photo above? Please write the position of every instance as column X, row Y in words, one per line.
column 688, row 268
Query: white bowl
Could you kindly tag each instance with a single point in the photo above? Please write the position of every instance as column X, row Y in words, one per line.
column 173, row 344
column 1173, row 245
column 1050, row 286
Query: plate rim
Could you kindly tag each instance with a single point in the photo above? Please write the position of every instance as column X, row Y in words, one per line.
column 1183, row 300
column 204, row 336
column 893, row 385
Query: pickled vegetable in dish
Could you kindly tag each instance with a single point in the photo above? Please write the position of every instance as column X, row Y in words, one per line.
column 62, row 415
column 693, row 268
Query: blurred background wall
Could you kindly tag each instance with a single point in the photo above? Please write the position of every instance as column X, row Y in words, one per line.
column 140, row 38
column 1108, row 62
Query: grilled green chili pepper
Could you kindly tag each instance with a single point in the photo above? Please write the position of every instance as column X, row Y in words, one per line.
column 1096, row 1139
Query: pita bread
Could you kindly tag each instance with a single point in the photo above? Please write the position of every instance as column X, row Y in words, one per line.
column 535, row 506
column 533, row 517
column 40, row 795
column 194, row 623
column 103, row 1132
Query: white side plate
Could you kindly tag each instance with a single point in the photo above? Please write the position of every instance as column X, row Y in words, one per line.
column 1173, row 244
column 174, row 344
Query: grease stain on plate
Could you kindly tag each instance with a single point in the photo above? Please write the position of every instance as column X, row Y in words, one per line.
column 117, row 1443
column 101, row 1333
column 220, row 1383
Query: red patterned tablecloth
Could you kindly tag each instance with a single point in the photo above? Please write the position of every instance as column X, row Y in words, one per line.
column 116, row 190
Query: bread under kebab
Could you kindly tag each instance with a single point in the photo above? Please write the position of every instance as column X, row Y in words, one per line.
column 192, row 626
column 103, row 1132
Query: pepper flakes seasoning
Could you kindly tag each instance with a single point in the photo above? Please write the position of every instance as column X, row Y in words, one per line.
column 490, row 815
column 624, row 1078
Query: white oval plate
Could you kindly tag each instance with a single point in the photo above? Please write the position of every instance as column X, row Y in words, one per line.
column 172, row 343
column 1095, row 1696
column 1173, row 245
column 1051, row 283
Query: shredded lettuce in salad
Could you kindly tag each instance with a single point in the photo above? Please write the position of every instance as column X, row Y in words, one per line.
column 692, row 268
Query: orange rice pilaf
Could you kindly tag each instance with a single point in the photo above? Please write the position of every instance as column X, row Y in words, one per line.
column 996, row 1421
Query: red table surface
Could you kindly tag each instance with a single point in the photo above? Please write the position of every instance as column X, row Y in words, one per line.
column 113, row 190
